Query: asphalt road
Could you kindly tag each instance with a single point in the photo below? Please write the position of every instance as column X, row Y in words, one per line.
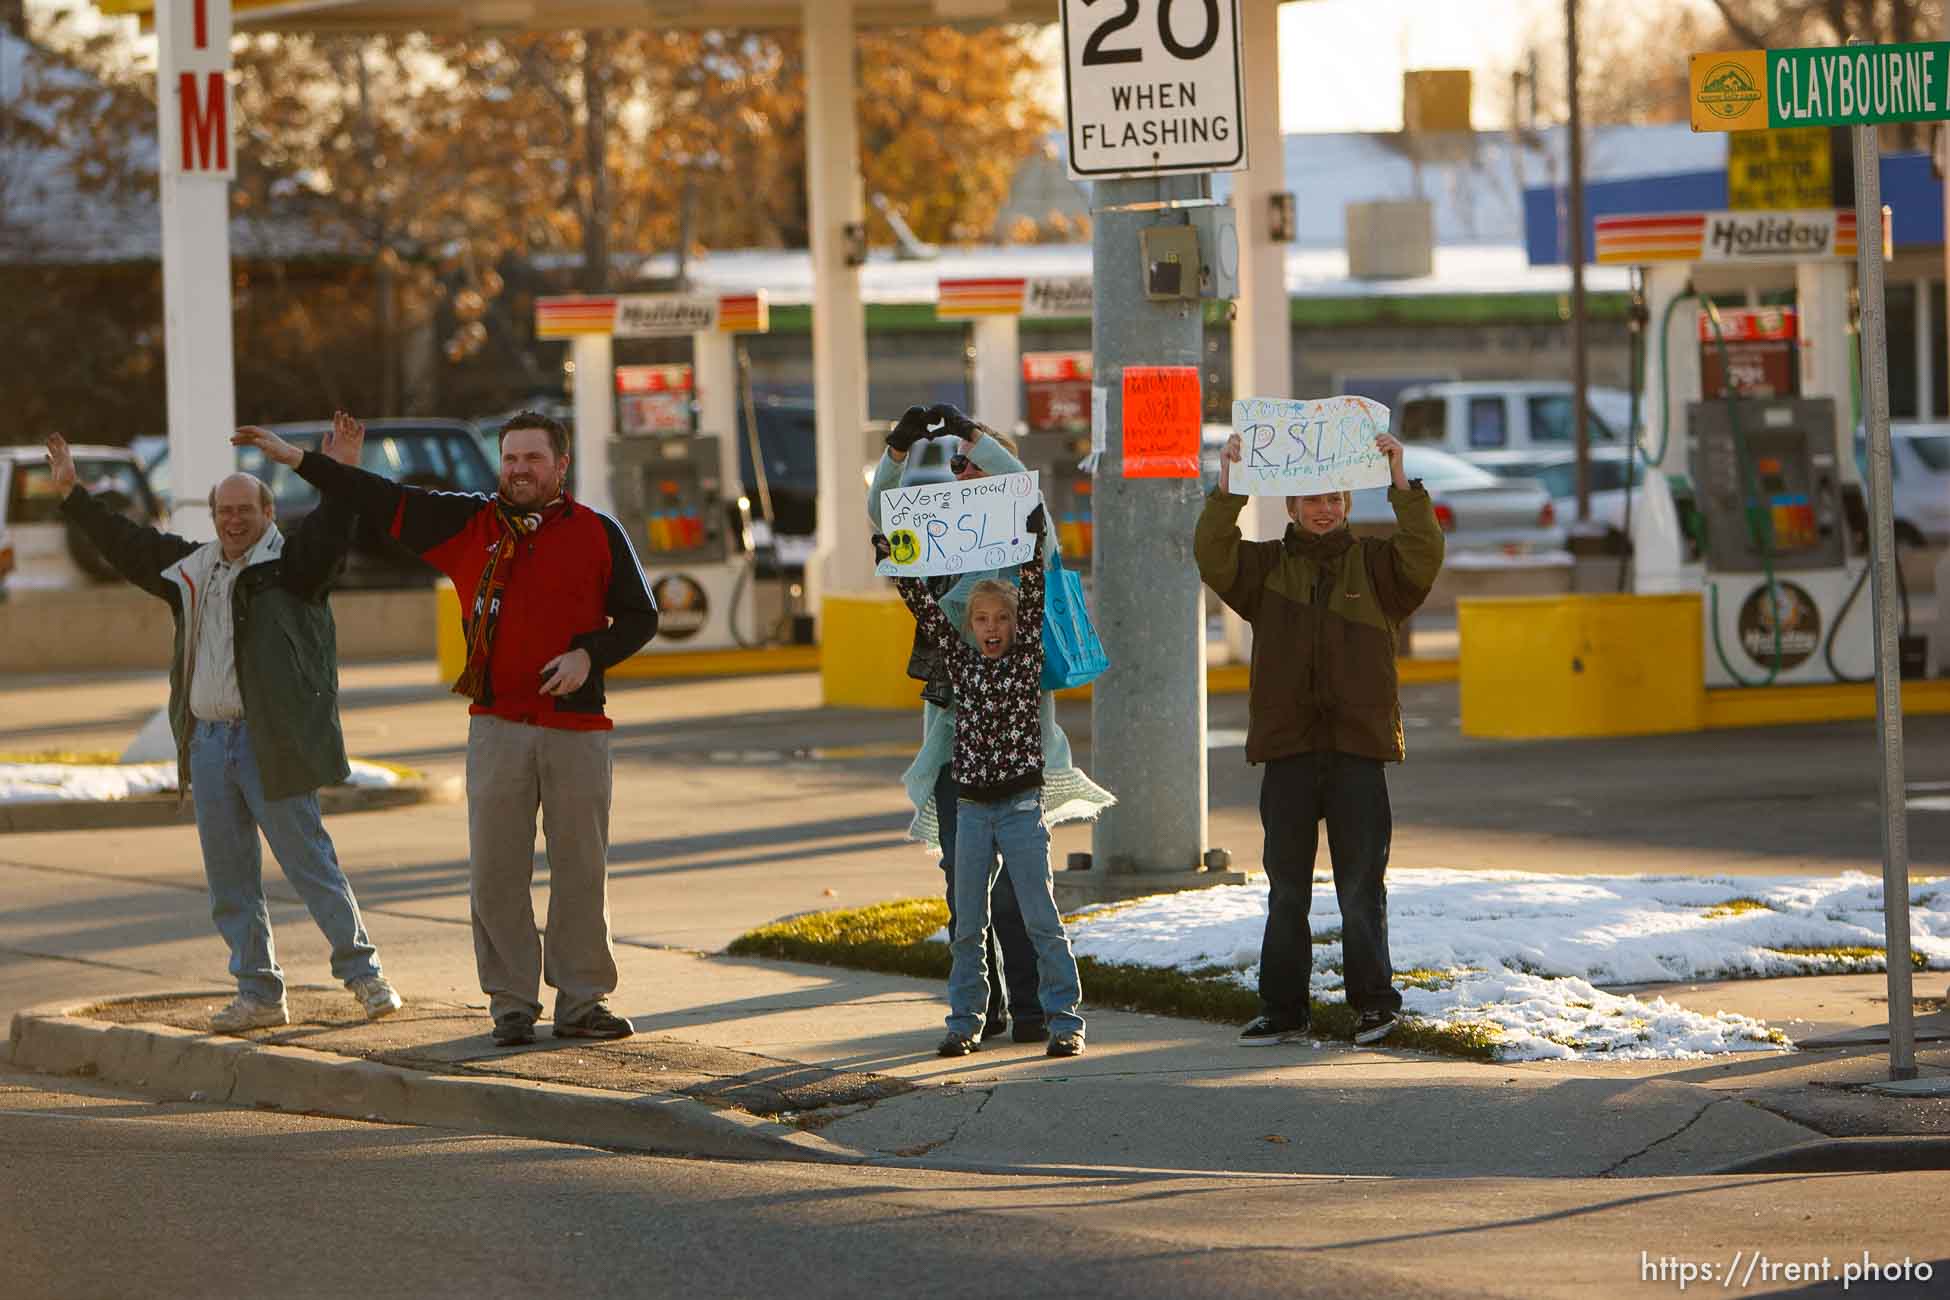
column 110, row 1194
column 738, row 802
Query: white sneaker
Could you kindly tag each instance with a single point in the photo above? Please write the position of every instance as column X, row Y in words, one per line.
column 376, row 995
column 247, row 1012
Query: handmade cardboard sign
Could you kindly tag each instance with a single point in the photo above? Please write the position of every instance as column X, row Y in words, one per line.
column 958, row 527
column 1302, row 448
column 1161, row 422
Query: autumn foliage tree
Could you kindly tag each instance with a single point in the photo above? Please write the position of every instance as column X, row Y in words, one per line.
column 441, row 168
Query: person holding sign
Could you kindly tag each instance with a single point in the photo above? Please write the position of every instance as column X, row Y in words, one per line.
column 1324, row 718
column 998, row 770
column 1068, row 793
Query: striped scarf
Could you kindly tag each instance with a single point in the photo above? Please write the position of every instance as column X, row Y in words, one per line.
column 479, row 624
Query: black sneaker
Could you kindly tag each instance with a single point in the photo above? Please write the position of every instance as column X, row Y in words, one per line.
column 1029, row 1030
column 1264, row 1031
column 994, row 1028
column 597, row 1022
column 513, row 1028
column 1375, row 1026
column 1065, row 1045
column 956, row 1045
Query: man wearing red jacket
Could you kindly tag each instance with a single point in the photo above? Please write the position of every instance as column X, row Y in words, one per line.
column 551, row 596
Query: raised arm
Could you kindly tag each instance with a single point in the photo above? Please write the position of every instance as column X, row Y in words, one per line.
column 1414, row 554
column 418, row 518
column 932, row 625
column 886, row 477
column 631, row 607
column 1034, row 574
column 906, row 431
column 315, row 551
column 138, row 553
column 990, row 456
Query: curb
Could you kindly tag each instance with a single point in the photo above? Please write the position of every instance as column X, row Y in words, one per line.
column 59, row 1038
column 1881, row 1155
column 162, row 809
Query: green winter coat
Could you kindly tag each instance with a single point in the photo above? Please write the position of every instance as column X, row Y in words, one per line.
column 281, row 626
column 1324, row 612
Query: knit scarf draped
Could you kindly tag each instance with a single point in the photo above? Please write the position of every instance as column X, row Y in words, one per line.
column 479, row 624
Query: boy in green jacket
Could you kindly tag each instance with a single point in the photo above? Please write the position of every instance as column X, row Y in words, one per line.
column 1324, row 718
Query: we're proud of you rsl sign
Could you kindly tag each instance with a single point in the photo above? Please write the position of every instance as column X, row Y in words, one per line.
column 1849, row 85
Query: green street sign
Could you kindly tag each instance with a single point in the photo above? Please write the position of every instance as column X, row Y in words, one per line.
column 1850, row 85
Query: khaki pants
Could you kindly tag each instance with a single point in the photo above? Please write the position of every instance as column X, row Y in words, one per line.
column 513, row 769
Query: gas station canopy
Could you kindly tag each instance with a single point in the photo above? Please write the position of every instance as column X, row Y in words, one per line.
column 464, row 16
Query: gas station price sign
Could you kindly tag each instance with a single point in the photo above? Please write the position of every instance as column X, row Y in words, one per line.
column 1851, row 85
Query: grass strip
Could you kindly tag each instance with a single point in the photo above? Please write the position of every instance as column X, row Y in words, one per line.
column 894, row 938
column 1853, row 953
column 65, row 758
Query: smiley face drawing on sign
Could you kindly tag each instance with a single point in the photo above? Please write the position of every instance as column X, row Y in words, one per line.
column 906, row 546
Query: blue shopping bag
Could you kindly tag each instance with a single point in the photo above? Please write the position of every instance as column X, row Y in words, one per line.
column 1072, row 654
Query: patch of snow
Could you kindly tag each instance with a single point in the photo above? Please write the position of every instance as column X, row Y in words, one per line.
column 1499, row 560
column 58, row 782
column 1522, row 953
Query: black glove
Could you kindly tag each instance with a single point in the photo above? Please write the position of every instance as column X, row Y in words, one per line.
column 882, row 548
column 953, row 423
column 1036, row 521
column 911, row 428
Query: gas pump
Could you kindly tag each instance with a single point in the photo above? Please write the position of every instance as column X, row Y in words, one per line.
column 670, row 497
column 1056, row 441
column 677, row 494
column 1747, row 441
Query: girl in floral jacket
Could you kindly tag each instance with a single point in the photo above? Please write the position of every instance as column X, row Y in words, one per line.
column 998, row 765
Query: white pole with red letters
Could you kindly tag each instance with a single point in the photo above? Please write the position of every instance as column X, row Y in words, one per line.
column 196, row 166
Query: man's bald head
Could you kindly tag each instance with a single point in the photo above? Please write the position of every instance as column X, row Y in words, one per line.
column 242, row 508
column 242, row 484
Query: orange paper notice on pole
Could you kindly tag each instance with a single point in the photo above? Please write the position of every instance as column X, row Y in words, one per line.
column 1161, row 422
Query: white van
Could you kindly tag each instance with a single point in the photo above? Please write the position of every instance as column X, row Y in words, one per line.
column 1469, row 416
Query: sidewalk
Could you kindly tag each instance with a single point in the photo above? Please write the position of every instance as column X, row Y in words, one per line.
column 743, row 1058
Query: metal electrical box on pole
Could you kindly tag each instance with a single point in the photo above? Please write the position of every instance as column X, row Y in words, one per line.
column 1154, row 101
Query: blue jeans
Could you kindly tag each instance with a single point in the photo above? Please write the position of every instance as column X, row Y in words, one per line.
column 1008, row 944
column 230, row 810
column 1014, row 828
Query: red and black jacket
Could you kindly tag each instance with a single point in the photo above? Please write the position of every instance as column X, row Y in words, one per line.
column 574, row 584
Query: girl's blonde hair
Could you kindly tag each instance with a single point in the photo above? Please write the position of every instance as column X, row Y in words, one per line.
column 991, row 589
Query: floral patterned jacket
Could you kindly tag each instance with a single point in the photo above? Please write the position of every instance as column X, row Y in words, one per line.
column 998, row 702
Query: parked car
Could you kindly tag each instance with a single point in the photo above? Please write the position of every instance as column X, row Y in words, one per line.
column 1920, row 471
column 1614, row 407
column 37, row 547
column 1478, row 510
column 433, row 453
column 1466, row 417
column 789, row 445
column 1558, row 472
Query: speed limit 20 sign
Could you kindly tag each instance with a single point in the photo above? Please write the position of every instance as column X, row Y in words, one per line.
column 1153, row 86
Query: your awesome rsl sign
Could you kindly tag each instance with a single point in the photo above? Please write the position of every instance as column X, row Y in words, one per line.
column 1850, row 85
column 196, row 105
column 1153, row 86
